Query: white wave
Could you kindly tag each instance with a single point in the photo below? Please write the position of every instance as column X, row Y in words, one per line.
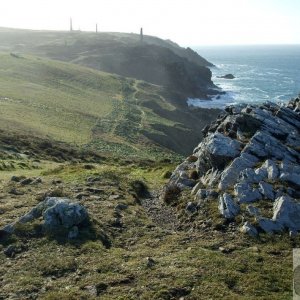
column 219, row 101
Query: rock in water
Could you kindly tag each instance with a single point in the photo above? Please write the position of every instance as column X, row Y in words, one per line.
column 250, row 154
column 227, row 76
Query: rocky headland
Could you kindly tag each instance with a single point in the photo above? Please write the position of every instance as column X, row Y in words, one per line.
column 246, row 170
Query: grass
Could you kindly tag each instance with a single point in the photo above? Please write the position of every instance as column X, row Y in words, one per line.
column 57, row 99
column 187, row 263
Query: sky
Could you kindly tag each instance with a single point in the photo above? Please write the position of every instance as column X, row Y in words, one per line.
column 187, row 22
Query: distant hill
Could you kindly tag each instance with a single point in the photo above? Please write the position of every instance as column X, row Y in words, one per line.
column 154, row 60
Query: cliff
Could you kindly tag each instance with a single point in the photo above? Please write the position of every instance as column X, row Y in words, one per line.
column 246, row 171
column 182, row 71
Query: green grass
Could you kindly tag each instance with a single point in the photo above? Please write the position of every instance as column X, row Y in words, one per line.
column 46, row 97
column 188, row 263
column 78, row 105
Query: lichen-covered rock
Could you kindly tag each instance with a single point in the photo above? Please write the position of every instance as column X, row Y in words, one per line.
column 250, row 154
column 57, row 213
column 61, row 212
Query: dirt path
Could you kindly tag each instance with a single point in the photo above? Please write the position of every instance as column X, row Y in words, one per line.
column 162, row 215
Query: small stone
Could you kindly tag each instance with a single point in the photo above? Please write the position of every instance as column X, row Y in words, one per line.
column 191, row 208
column 26, row 181
column 121, row 206
column 114, row 197
column 252, row 210
column 150, row 262
column 249, row 229
column 293, row 233
column 17, row 178
column 15, row 192
column 94, row 190
column 80, row 196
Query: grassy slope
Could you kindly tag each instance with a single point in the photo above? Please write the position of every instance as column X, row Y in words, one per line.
column 46, row 97
column 105, row 112
column 75, row 104
column 188, row 262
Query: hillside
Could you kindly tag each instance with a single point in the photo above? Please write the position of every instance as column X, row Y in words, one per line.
column 132, row 244
column 92, row 109
column 181, row 70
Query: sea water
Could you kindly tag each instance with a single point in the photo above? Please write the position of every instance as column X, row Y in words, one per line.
column 262, row 73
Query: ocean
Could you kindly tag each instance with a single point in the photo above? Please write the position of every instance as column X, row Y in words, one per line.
column 262, row 73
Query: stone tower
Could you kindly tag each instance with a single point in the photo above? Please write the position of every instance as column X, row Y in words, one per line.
column 141, row 35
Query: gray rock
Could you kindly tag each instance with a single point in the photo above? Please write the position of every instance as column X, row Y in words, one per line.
column 288, row 167
column 221, row 146
column 271, row 168
column 196, row 188
column 287, row 213
column 261, row 173
column 265, row 146
column 61, row 212
column 26, row 181
column 9, row 228
column 291, row 178
column 227, row 207
column 250, row 176
column 56, row 212
column 253, row 211
column 185, row 183
column 231, row 174
column 266, row 190
column 246, row 194
column 216, row 151
column 269, row 226
column 121, row 206
column 191, row 208
column 201, row 194
column 249, row 229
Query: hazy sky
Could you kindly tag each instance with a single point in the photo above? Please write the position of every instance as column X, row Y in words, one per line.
column 188, row 22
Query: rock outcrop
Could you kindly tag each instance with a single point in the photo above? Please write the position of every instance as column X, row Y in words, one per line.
column 227, row 76
column 57, row 214
column 249, row 161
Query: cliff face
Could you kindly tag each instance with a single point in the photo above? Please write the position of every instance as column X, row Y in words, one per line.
column 158, row 65
column 246, row 170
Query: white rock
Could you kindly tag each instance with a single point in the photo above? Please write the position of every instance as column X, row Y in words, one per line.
column 272, row 169
column 266, row 190
column 231, row 174
column 249, row 229
column 227, row 207
column 287, row 213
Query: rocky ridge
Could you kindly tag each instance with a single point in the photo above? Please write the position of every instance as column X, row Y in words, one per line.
column 248, row 162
